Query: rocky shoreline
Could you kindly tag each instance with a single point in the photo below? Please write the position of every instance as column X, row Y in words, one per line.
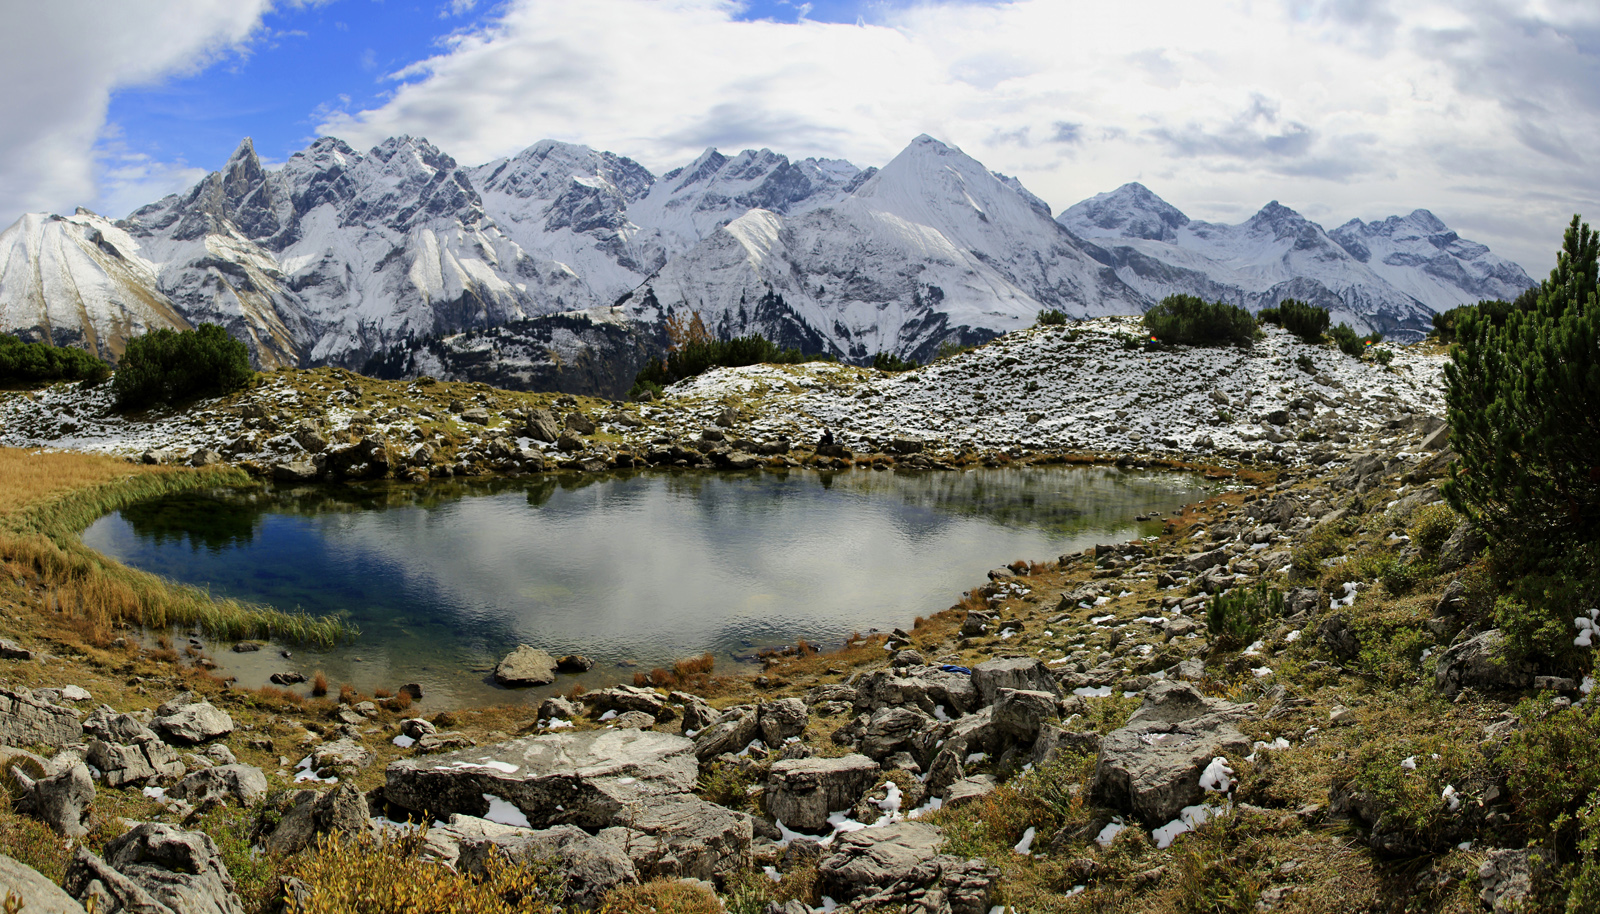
column 1091, row 689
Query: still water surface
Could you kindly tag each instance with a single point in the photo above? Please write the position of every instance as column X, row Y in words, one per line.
column 630, row 570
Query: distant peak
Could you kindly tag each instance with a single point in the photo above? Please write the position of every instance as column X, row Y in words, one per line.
column 1130, row 211
column 1275, row 212
column 927, row 143
column 245, row 150
column 1427, row 220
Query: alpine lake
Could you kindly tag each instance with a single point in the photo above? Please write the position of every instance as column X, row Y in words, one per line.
column 633, row 570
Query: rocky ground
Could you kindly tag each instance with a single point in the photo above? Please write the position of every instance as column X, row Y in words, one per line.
column 1288, row 701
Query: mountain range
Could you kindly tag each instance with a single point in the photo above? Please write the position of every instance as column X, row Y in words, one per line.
column 562, row 255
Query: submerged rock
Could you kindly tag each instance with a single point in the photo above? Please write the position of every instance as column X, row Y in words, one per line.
column 526, row 666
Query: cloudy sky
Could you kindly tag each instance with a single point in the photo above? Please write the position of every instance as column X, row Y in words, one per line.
column 1485, row 111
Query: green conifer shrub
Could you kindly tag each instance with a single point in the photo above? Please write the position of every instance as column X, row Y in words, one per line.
column 169, row 366
column 1308, row 322
column 1192, row 321
column 31, row 363
column 1523, row 401
column 1351, row 343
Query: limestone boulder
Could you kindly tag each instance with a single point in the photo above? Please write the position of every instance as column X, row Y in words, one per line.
column 61, row 797
column 26, row 720
column 1151, row 767
column 37, row 894
column 732, row 731
column 925, row 688
column 1477, row 663
column 802, row 792
column 779, row 720
column 307, row 813
column 241, row 785
column 624, row 698
column 682, row 837
column 191, row 723
column 152, row 869
column 899, row 866
column 526, row 666
column 592, row 867
column 1019, row 713
column 585, row 779
column 1024, row 673
column 891, row 730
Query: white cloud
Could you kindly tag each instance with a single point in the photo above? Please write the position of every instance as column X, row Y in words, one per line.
column 1340, row 108
column 60, row 62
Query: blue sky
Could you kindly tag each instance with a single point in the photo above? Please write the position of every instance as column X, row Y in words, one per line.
column 307, row 61
column 1486, row 113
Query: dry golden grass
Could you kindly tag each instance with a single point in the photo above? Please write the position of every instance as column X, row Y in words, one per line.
column 29, row 478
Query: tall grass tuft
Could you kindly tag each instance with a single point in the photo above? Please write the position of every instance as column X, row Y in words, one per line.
column 46, row 498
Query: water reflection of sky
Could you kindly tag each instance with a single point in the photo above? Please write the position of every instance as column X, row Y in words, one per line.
column 647, row 567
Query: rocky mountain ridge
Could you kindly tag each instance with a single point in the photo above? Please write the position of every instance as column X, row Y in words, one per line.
column 339, row 256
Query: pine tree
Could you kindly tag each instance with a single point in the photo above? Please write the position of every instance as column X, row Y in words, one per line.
column 1524, row 409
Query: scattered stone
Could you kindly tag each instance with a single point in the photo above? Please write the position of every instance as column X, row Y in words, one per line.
column 1019, row 713
column 1025, row 673
column 1506, row 879
column 574, row 663
column 682, row 836
column 968, row 789
column 307, row 814
column 526, row 666
column 341, row 756
column 11, row 650
column 624, row 698
column 736, row 728
column 779, row 720
column 61, row 797
column 1151, row 767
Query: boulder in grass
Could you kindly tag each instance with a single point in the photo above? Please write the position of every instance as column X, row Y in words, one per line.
column 154, row 868
column 1022, row 673
column 590, row 866
column 191, row 723
column 682, row 837
column 899, row 867
column 25, row 720
column 61, row 797
column 585, row 779
column 37, row 894
column 526, row 666
column 801, row 793
column 244, row 785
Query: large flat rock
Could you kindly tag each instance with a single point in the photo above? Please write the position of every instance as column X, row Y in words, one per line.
column 591, row 780
column 29, row 721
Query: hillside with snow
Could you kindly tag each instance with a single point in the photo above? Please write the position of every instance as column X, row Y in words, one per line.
column 344, row 257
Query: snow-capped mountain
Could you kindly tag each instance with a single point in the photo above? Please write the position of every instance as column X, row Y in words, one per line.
column 931, row 248
column 339, row 256
column 1420, row 256
column 1419, row 267
column 79, row 280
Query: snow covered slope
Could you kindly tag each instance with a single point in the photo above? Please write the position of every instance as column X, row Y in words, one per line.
column 931, row 249
column 341, row 256
column 79, row 280
column 1420, row 266
column 1420, row 256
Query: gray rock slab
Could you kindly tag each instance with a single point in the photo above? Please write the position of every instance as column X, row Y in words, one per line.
column 242, row 785
column 682, row 837
column 900, row 864
column 802, row 792
column 591, row 867
column 154, row 868
column 28, row 721
column 585, row 779
column 1025, row 673
column 38, row 894
column 924, row 688
column 1477, row 664
column 193, row 723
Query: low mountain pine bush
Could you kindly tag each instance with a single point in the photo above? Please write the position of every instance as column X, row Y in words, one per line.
column 169, row 366
column 1308, row 322
column 1192, row 321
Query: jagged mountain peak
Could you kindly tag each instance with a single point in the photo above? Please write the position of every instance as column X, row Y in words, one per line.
column 1130, row 211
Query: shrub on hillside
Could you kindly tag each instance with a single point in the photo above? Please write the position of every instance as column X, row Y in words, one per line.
column 1308, row 322
column 1351, row 343
column 1050, row 317
column 167, row 366
column 697, row 356
column 1192, row 321
column 31, row 363
column 1445, row 323
column 888, row 361
column 1523, row 399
